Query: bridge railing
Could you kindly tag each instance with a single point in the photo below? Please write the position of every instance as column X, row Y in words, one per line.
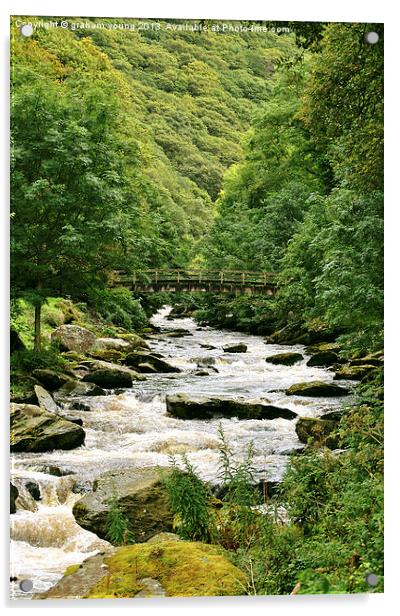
column 162, row 276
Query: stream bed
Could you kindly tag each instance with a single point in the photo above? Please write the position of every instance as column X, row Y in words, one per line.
column 132, row 429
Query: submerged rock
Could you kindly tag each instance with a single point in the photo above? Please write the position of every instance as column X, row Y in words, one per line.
column 73, row 338
column 355, row 373
column 317, row 431
column 317, row 388
column 286, row 359
column 235, row 348
column 34, row 429
column 184, row 407
column 141, row 357
column 140, row 495
column 172, row 569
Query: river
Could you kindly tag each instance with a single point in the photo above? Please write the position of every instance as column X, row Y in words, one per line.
column 132, row 429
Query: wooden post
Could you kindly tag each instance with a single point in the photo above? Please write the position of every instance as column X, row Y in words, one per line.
column 221, row 277
column 243, row 278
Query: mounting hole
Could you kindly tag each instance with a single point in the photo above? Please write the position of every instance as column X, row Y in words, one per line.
column 27, row 30
column 372, row 38
column 372, row 579
column 26, row 585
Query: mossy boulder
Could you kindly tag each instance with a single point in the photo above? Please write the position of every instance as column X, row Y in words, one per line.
column 235, row 348
column 73, row 338
column 36, row 430
column 355, row 373
column 137, row 358
column 135, row 341
column 317, row 431
column 323, row 358
column 171, row 569
column 375, row 359
column 110, row 375
column 109, row 355
column 201, row 407
column 141, row 497
column 317, row 388
column 321, row 347
column 286, row 359
column 13, row 498
column 50, row 379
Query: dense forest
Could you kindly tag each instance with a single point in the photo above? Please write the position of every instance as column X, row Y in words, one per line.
column 209, row 150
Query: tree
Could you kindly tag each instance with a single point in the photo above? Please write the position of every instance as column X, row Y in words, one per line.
column 71, row 191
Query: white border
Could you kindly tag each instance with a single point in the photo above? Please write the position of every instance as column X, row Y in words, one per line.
column 291, row 10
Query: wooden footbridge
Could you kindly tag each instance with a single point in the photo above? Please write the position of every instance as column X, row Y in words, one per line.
column 190, row 280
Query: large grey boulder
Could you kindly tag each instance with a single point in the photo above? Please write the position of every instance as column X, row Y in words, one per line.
column 201, row 407
column 140, row 496
column 73, row 338
column 34, row 429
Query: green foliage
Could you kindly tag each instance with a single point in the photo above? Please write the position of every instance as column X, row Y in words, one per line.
column 117, row 306
column 27, row 360
column 118, row 532
column 190, row 499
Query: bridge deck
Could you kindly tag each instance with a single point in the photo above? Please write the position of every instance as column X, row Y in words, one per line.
column 222, row 281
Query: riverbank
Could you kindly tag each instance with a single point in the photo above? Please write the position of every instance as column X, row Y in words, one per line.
column 131, row 429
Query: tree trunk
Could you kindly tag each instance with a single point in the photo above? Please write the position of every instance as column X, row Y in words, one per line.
column 38, row 336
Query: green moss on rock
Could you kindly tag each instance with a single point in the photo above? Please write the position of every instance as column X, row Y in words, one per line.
column 285, row 359
column 316, row 388
column 317, row 431
column 183, row 569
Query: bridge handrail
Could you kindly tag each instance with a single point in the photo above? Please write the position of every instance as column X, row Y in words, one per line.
column 202, row 276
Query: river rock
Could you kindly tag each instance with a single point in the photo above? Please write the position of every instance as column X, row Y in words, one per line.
column 33, row 489
column 115, row 344
column 45, row 400
column 141, row 357
column 34, row 429
column 136, row 341
column 50, row 379
column 286, row 359
column 77, row 389
column 355, row 373
column 323, row 358
column 317, row 431
column 141, row 497
column 185, row 407
column 73, row 338
column 235, row 348
column 321, row 347
column 110, row 376
column 13, row 498
column 171, row 569
column 317, row 388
